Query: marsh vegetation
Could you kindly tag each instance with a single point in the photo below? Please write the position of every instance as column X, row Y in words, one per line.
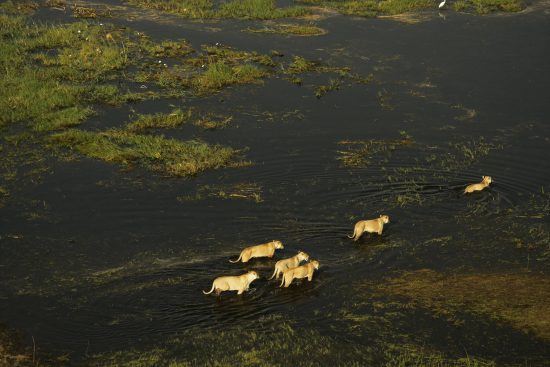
column 267, row 9
column 139, row 151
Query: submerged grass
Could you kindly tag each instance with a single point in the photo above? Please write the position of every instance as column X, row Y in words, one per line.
column 290, row 29
column 279, row 344
column 243, row 191
column 213, row 121
column 484, row 294
column 169, row 156
column 160, row 120
column 414, row 167
column 220, row 74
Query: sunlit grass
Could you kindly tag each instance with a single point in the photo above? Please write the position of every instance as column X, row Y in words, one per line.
column 373, row 8
column 169, row 156
column 235, row 9
column 220, row 74
column 159, row 120
column 257, row 9
column 290, row 29
column 485, row 294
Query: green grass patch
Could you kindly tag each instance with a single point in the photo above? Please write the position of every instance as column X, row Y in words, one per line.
column 257, row 9
column 90, row 13
column 220, row 74
column 300, row 65
column 179, row 48
column 160, row 120
column 195, row 9
column 19, row 6
column 213, row 122
column 168, row 156
column 233, row 9
column 489, row 6
column 373, row 8
column 290, row 29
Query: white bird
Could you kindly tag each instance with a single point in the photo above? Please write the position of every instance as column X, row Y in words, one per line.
column 442, row 4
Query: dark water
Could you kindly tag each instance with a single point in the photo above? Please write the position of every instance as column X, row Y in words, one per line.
column 161, row 252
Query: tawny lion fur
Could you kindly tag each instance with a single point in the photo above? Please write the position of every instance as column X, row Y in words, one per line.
column 263, row 250
column 239, row 283
column 372, row 226
column 299, row 272
column 485, row 182
column 285, row 264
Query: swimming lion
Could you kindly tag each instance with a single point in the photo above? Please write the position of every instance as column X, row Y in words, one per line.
column 303, row 271
column 485, row 181
column 239, row 283
column 292, row 262
column 263, row 250
column 372, row 226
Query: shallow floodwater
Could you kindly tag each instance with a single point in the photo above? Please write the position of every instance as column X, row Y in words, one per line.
column 116, row 261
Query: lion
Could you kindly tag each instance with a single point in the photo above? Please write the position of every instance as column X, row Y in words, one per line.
column 303, row 271
column 239, row 283
column 291, row 262
column 485, row 182
column 263, row 250
column 372, row 226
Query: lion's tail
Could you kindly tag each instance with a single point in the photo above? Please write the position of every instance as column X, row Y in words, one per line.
column 239, row 259
column 274, row 273
column 212, row 290
column 354, row 234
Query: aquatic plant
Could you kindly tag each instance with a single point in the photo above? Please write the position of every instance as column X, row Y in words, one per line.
column 243, row 191
column 374, row 8
column 321, row 90
column 257, row 9
column 234, row 9
column 159, row 120
column 289, row 29
column 220, row 74
column 169, row 156
column 300, row 65
column 484, row 293
column 212, row 121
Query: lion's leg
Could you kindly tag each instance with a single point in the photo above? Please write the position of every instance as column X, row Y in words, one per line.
column 246, row 257
column 309, row 277
column 218, row 291
column 240, row 291
column 358, row 232
column 288, row 281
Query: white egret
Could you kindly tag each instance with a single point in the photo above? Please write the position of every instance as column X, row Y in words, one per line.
column 442, row 4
